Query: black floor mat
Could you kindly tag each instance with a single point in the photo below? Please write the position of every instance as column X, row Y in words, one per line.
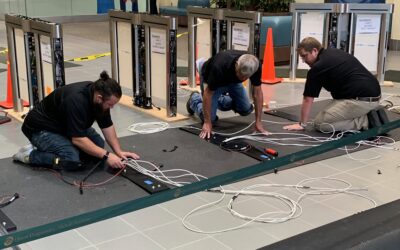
column 45, row 198
column 377, row 228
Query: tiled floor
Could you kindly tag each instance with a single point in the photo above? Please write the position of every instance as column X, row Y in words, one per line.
column 160, row 227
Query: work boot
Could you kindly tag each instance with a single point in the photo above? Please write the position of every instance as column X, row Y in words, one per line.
column 189, row 110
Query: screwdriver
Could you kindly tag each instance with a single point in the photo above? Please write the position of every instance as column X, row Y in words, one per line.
column 270, row 151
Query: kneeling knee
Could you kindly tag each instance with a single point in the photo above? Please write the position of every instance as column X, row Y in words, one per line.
column 70, row 154
column 248, row 112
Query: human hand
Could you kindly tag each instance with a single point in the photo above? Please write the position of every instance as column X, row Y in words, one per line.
column 114, row 161
column 206, row 131
column 260, row 129
column 126, row 155
column 294, row 127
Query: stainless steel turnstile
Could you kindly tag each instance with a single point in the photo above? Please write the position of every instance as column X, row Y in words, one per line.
column 143, row 57
column 161, row 58
column 20, row 39
column 29, row 39
column 127, row 53
column 359, row 29
column 49, row 55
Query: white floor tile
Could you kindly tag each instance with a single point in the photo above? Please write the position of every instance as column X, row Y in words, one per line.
column 135, row 241
column 69, row 240
column 206, row 243
column 150, row 217
column 172, row 235
column 104, row 230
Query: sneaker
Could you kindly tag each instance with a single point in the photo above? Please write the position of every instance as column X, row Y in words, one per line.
column 28, row 147
column 23, row 154
column 189, row 110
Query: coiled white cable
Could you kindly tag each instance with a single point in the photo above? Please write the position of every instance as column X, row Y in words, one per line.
column 294, row 211
column 148, row 127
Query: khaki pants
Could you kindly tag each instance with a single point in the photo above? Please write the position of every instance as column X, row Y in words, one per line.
column 345, row 114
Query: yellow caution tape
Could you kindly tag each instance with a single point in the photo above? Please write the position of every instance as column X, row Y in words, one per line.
column 89, row 58
column 181, row 34
column 95, row 56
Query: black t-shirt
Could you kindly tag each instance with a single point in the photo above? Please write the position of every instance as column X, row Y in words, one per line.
column 219, row 70
column 68, row 111
column 341, row 74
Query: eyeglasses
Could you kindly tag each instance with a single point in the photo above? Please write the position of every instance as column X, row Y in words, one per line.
column 303, row 55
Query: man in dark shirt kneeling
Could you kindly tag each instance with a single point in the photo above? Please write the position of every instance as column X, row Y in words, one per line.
column 60, row 126
column 221, row 79
column 354, row 89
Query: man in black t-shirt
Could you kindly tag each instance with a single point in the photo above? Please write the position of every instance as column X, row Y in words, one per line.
column 354, row 89
column 221, row 85
column 60, row 126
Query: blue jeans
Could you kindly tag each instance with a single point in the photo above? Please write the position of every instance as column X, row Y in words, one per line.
column 232, row 97
column 51, row 145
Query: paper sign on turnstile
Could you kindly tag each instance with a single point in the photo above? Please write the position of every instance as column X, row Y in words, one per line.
column 240, row 36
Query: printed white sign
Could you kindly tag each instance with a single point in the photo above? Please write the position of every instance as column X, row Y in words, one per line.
column 46, row 51
column 158, row 41
column 368, row 24
column 241, row 34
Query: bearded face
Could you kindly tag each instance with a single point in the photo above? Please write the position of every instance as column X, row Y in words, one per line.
column 101, row 105
column 98, row 110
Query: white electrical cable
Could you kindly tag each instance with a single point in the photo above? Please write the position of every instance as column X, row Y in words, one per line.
column 148, row 127
column 165, row 176
column 294, row 211
column 293, row 139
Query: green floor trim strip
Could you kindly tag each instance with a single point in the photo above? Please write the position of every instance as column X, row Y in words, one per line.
column 34, row 233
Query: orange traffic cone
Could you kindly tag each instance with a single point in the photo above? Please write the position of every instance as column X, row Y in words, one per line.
column 197, row 72
column 183, row 82
column 268, row 67
column 8, row 103
column 197, row 78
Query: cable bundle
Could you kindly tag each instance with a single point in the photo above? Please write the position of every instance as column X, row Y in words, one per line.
column 148, row 127
column 294, row 207
column 166, row 176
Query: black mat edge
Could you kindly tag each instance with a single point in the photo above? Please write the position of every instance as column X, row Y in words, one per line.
column 353, row 231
